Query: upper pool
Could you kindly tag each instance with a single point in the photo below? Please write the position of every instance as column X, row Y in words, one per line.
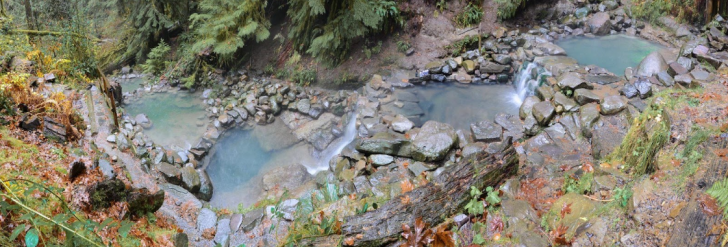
column 178, row 117
column 614, row 52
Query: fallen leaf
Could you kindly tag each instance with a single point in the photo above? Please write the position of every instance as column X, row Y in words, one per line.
column 406, row 186
column 565, row 209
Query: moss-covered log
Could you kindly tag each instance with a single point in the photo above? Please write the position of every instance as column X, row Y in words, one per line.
column 434, row 202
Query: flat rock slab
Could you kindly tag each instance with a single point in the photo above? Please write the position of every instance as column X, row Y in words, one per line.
column 486, row 131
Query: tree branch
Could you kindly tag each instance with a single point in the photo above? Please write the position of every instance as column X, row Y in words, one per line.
column 53, row 33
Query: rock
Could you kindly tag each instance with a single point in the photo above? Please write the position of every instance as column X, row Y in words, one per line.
column 190, row 178
column 381, row 159
column 544, row 92
column 492, row 68
column 486, row 131
column 665, row 78
column 206, row 188
column 252, row 219
column 401, row 124
column 651, row 65
column 581, row 12
column 222, row 234
column 106, row 169
column 433, row 141
column 286, row 177
column 572, row 81
column 608, row 133
column 461, row 219
column 385, row 143
column 519, row 210
column 530, row 126
column 508, row 122
column 543, row 112
column 75, row 169
column 552, row 49
column 141, row 202
column 418, row 168
column 644, row 88
column 170, row 173
column 235, row 221
column 600, row 24
column 613, row 104
column 588, row 115
column 111, row 138
column 469, row 66
column 580, row 206
column 676, row 68
column 503, row 59
column 303, row 106
column 629, row 90
column 561, row 100
column 685, row 80
column 206, row 219
column 473, row 149
column 288, row 208
column 30, row 122
column 584, row 96
column 527, row 106
column 317, row 132
column 143, row 120
column 701, row 75
column 362, row 185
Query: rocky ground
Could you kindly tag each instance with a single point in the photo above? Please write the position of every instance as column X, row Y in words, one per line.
column 591, row 159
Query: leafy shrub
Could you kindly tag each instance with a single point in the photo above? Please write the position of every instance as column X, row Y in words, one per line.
column 475, row 206
column 507, row 8
column 157, row 59
column 403, row 46
column 471, row 15
column 304, row 77
column 621, row 196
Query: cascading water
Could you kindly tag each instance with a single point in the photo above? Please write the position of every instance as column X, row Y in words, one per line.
column 529, row 77
column 335, row 147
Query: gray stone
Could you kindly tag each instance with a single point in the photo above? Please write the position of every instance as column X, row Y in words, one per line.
column 170, row 173
column 486, row 131
column 665, row 78
column 252, row 219
column 613, row 104
column 629, row 90
column 106, row 169
column 543, row 112
column 303, row 106
column 190, row 178
column 502, row 59
column 572, row 81
column 286, row 177
column 381, row 159
column 206, row 219
column 508, row 122
column 644, row 88
column 385, row 143
column 222, row 235
column 676, row 68
column 588, row 115
column 205, row 192
column 651, row 65
column 565, row 102
column 600, row 24
column 530, row 125
column 362, row 185
column 473, row 149
column 235, row 221
column 701, row 75
column 433, row 141
column 492, row 68
column 402, row 124
column 552, row 49
column 584, row 96
column 418, row 168
column 685, row 80
column 288, row 208
column 527, row 106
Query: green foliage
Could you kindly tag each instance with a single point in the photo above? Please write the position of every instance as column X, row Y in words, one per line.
column 621, row 196
column 690, row 157
column 403, row 46
column 471, row 15
column 652, row 10
column 156, row 60
column 304, row 77
column 478, row 230
column 225, row 25
column 579, row 185
column 475, row 206
column 507, row 8
column 326, row 28
column 648, row 133
column 368, row 51
column 719, row 191
column 467, row 43
column 492, row 198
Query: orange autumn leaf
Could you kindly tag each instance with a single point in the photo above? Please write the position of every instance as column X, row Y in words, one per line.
column 565, row 209
column 405, row 199
column 443, row 238
column 406, row 186
column 349, row 241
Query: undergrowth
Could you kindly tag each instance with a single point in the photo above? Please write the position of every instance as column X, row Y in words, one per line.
column 689, row 11
column 471, row 15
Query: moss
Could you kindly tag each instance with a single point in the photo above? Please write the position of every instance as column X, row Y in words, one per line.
column 578, row 182
column 648, row 133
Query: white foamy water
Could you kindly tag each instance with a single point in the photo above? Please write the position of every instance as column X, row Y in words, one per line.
column 335, row 148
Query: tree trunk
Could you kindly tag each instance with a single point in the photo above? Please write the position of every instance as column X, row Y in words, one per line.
column 29, row 18
column 434, row 202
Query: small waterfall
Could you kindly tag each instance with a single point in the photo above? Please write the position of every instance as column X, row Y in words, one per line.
column 335, row 147
column 529, row 77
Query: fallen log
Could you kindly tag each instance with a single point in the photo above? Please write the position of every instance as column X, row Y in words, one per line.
column 434, row 202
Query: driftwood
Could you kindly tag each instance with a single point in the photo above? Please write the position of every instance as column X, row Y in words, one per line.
column 434, row 202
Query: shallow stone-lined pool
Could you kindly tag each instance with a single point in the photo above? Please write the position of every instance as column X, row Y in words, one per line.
column 178, row 118
column 614, row 52
column 461, row 105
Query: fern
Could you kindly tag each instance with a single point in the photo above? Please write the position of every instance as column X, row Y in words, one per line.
column 156, row 61
column 507, row 8
column 719, row 191
column 225, row 25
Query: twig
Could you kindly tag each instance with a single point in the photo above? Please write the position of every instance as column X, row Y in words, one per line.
column 599, row 200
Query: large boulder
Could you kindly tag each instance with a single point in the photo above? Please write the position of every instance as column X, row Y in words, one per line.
column 433, row 141
column 613, row 104
column 386, row 143
column 543, row 112
column 600, row 24
column 651, row 65
column 286, row 177
column 572, row 81
column 527, row 106
column 486, row 131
